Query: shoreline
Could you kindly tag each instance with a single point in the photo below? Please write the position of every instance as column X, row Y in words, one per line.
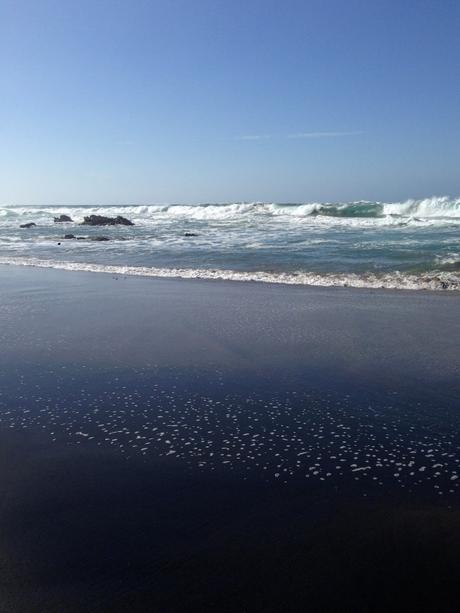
column 435, row 282
column 256, row 325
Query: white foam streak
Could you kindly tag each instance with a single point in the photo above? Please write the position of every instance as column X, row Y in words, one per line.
column 450, row 258
column 429, row 281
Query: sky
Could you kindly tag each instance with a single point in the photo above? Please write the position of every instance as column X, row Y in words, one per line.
column 145, row 101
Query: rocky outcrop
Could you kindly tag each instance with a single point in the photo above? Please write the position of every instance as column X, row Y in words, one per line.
column 62, row 219
column 31, row 224
column 70, row 236
column 100, row 220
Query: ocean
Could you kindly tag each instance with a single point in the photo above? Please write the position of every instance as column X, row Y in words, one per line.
column 404, row 245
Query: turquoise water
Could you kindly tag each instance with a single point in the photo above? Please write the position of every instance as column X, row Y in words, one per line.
column 412, row 244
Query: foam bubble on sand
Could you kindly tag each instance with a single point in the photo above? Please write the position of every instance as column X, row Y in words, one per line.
column 324, row 437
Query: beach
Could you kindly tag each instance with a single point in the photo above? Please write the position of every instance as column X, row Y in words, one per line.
column 184, row 445
column 229, row 307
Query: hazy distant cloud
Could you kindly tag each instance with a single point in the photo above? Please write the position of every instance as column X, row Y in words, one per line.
column 323, row 134
column 299, row 135
column 253, row 137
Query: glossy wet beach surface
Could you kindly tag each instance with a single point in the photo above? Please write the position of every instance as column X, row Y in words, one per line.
column 226, row 448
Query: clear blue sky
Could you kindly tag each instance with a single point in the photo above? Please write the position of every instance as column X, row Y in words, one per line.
column 113, row 101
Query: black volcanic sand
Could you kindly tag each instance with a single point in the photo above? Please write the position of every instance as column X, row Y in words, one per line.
column 173, row 445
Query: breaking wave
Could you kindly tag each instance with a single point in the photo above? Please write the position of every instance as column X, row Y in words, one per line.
column 435, row 280
column 434, row 208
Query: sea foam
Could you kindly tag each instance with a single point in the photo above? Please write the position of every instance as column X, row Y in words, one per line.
column 395, row 280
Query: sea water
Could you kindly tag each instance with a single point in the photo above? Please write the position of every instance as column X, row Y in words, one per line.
column 413, row 244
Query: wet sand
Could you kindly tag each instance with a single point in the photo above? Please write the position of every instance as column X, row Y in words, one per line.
column 174, row 445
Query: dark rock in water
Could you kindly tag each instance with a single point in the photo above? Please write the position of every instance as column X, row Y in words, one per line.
column 100, row 220
column 99, row 238
column 62, row 219
column 31, row 224
column 190, row 234
column 81, row 238
column 70, row 236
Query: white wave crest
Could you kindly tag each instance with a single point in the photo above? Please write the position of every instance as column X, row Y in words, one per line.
column 435, row 208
